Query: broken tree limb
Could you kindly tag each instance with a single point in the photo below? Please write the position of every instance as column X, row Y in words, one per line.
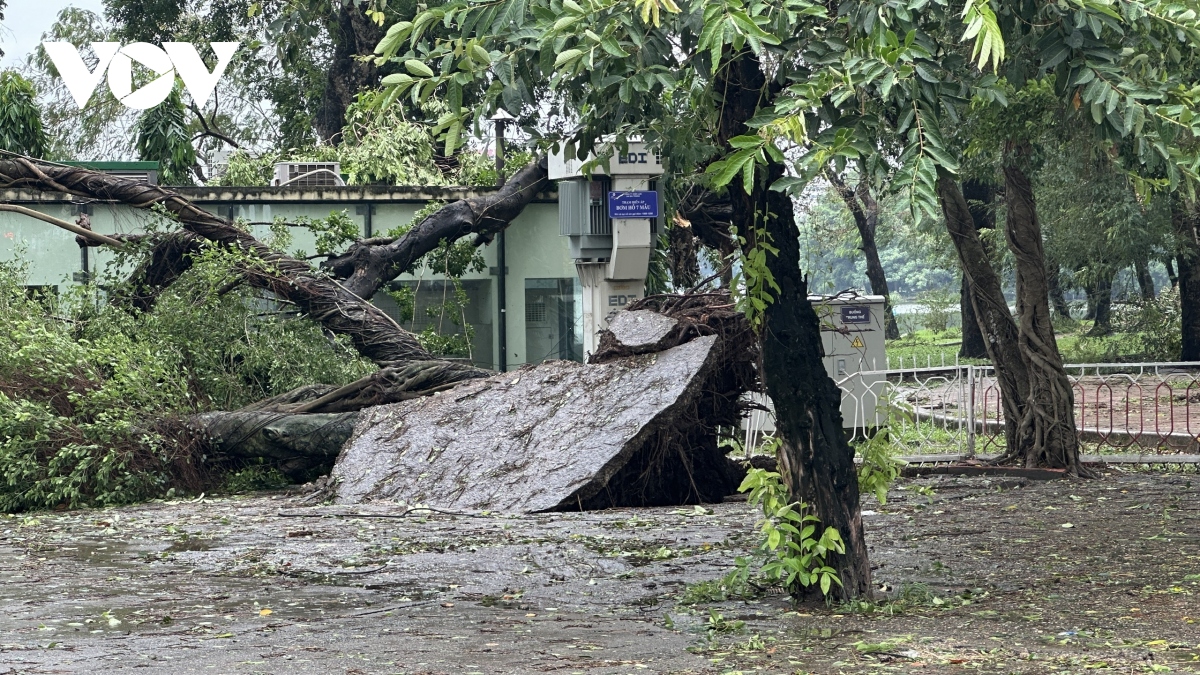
column 366, row 266
column 297, row 445
column 66, row 225
column 169, row 257
column 372, row 332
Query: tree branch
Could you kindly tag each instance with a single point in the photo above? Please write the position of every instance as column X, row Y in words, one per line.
column 210, row 129
column 72, row 227
column 366, row 266
column 372, row 332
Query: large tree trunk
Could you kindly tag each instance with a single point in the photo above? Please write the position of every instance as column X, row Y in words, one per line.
column 1054, row 279
column 1000, row 332
column 1187, row 235
column 979, row 196
column 1145, row 280
column 354, row 37
column 865, row 211
column 1049, row 415
column 815, row 459
column 1100, row 298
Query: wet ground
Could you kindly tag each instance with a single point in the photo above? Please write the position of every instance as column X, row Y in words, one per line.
column 988, row 575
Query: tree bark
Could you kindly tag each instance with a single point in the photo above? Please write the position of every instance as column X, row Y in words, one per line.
column 1187, row 235
column 865, row 211
column 354, row 36
column 1001, row 336
column 1054, row 281
column 1100, row 295
column 979, row 196
column 814, row 458
column 365, row 267
column 1145, row 280
column 1049, row 415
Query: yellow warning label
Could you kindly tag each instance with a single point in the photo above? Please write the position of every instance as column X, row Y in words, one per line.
column 857, row 342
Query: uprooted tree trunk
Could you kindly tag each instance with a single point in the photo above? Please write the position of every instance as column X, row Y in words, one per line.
column 865, row 211
column 407, row 369
column 815, row 458
column 1047, row 426
column 637, row 426
column 660, row 441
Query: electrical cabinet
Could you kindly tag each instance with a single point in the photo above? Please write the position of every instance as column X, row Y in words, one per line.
column 852, row 337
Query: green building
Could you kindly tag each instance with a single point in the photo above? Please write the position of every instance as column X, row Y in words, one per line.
column 542, row 293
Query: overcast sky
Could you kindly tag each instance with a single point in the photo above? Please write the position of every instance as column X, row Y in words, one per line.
column 26, row 20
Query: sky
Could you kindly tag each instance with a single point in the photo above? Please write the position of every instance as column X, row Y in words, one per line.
column 26, row 20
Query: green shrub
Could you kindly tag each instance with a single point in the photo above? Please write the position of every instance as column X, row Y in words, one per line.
column 91, row 394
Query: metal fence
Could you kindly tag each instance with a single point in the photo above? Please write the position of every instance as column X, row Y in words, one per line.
column 933, row 409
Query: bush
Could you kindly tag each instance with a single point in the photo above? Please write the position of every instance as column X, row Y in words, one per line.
column 1152, row 328
column 75, row 407
column 939, row 306
column 1144, row 330
column 91, row 395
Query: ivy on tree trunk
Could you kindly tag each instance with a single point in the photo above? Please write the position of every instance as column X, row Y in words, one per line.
column 1047, row 427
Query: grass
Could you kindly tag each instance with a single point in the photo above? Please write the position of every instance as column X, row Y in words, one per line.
column 925, row 347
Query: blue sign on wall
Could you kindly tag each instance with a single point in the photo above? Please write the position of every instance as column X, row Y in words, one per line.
column 636, row 204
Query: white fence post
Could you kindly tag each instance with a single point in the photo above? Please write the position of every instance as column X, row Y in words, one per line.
column 971, row 412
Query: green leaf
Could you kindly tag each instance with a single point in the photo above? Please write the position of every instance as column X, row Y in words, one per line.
column 567, row 57
column 610, row 45
column 417, row 68
column 479, row 55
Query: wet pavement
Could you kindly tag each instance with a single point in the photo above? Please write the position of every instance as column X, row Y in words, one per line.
column 265, row 584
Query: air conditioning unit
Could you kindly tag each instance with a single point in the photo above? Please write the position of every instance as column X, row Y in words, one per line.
column 308, row 174
column 219, row 163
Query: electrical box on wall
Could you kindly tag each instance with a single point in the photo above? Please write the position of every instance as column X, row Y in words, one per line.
column 609, row 215
column 852, row 335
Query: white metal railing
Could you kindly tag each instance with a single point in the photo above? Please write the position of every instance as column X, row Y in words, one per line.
column 957, row 408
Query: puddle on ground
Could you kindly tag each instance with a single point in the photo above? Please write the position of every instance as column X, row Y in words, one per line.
column 191, row 544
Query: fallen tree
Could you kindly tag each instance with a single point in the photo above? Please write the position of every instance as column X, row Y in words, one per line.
column 673, row 457
column 321, row 298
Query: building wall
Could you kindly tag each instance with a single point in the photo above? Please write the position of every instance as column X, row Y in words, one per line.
column 535, row 251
